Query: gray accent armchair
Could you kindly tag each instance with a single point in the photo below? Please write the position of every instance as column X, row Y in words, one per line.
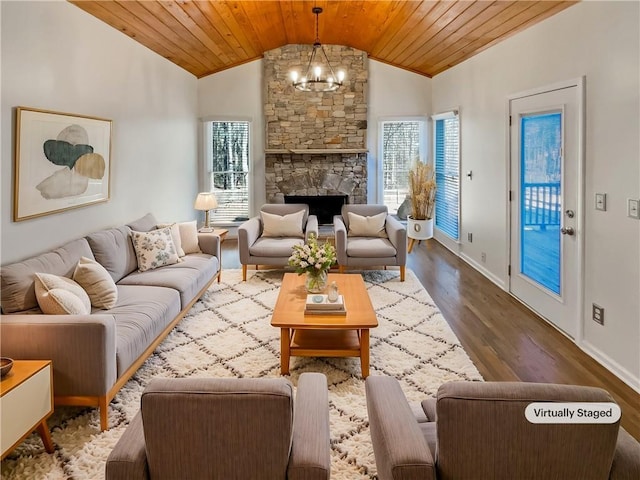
column 227, row 429
column 355, row 251
column 479, row 430
column 255, row 249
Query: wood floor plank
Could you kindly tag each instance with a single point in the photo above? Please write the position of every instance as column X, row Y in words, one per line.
column 504, row 339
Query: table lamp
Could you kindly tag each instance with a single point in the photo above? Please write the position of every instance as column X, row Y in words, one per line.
column 206, row 201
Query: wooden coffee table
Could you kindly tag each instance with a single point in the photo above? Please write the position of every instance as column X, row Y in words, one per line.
column 324, row 335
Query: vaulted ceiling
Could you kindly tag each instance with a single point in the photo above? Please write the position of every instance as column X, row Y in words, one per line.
column 426, row 37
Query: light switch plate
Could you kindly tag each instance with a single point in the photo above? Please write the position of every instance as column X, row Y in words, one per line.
column 633, row 208
column 601, row 201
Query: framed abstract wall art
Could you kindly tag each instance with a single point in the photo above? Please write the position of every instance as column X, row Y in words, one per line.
column 62, row 161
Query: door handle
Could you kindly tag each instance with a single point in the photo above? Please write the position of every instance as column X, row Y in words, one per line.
column 567, row 231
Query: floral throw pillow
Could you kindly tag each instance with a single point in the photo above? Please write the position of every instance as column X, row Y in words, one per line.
column 154, row 249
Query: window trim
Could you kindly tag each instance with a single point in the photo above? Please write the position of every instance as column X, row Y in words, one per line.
column 207, row 152
column 423, row 150
column 445, row 115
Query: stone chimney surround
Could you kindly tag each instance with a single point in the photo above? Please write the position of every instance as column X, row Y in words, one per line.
column 315, row 141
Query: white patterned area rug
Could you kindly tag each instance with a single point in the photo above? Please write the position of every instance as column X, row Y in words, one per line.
column 228, row 334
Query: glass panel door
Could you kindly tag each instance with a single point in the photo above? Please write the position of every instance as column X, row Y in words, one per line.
column 546, row 203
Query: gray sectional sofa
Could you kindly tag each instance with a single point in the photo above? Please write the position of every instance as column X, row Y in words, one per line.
column 94, row 355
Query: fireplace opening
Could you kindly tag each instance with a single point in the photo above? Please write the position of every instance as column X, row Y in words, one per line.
column 322, row 206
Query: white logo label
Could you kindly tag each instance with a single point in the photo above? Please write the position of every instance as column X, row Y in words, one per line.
column 572, row 412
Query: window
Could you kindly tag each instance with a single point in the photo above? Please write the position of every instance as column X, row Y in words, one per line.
column 447, row 165
column 402, row 145
column 227, row 162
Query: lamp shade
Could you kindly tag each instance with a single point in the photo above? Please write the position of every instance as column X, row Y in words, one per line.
column 205, row 201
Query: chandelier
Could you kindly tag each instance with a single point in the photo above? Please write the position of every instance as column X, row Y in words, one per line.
column 316, row 79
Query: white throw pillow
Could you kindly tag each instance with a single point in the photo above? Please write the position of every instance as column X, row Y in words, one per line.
column 60, row 295
column 282, row 225
column 96, row 281
column 175, row 235
column 373, row 226
column 154, row 249
column 189, row 237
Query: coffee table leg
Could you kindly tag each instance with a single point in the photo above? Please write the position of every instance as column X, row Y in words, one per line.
column 285, row 342
column 364, row 352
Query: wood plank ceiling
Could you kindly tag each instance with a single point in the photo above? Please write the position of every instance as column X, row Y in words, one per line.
column 426, row 37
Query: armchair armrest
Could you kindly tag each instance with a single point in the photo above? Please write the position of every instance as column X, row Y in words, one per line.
column 626, row 459
column 209, row 243
column 310, row 448
column 128, row 459
column 311, row 227
column 340, row 232
column 398, row 237
column 248, row 233
column 82, row 349
column 400, row 449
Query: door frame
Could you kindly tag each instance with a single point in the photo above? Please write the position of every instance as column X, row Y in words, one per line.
column 579, row 83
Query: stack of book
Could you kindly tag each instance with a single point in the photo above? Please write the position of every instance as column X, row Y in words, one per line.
column 321, row 305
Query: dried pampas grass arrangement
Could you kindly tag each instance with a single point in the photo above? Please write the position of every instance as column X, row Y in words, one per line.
column 422, row 188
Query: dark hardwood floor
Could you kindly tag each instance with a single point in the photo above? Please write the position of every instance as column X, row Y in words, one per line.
column 504, row 339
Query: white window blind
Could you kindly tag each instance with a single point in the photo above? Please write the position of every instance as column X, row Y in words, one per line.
column 447, row 166
column 228, row 169
column 402, row 145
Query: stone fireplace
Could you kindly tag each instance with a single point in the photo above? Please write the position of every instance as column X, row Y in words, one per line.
column 315, row 141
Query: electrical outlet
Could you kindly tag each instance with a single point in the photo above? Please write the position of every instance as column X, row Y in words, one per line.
column 601, row 201
column 633, row 208
column 483, row 257
column 470, row 237
column 597, row 313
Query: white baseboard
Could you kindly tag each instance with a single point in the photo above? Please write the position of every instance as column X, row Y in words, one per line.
column 611, row 365
column 480, row 268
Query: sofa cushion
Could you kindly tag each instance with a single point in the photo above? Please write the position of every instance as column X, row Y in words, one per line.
column 154, row 249
column 17, row 279
column 367, row 226
column 175, row 236
column 187, row 277
column 96, row 281
column 114, row 251
column 141, row 314
column 189, row 237
column 274, row 247
column 370, row 247
column 144, row 224
column 289, row 225
column 60, row 295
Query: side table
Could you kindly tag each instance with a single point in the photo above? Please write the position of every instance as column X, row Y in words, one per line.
column 222, row 233
column 26, row 401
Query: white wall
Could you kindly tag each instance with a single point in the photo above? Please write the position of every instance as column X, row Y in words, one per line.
column 237, row 94
column 600, row 40
column 398, row 93
column 57, row 57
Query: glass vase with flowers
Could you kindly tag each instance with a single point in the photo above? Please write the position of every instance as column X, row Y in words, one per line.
column 314, row 260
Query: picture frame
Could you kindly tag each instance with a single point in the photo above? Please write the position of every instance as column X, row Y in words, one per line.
column 62, row 161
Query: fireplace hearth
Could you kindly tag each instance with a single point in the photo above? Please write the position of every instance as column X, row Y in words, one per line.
column 323, row 206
